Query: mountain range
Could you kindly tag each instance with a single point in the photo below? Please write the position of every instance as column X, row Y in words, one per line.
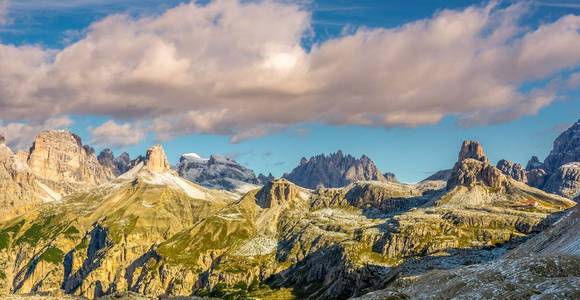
column 77, row 224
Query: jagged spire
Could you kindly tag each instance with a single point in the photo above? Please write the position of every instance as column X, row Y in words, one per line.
column 156, row 160
column 472, row 149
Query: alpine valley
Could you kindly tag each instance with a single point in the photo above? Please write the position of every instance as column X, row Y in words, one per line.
column 75, row 224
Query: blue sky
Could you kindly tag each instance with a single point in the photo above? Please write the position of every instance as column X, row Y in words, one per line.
column 412, row 153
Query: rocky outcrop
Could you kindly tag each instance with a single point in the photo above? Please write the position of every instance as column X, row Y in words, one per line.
column 566, row 149
column 514, row 170
column 216, row 172
column 390, row 177
column 107, row 159
column 537, row 178
column 276, row 193
column 474, row 168
column 335, row 170
column 59, row 160
column 534, row 163
column 473, row 150
column 117, row 165
column 156, row 160
column 565, row 181
column 558, row 173
column 19, row 188
column 263, row 179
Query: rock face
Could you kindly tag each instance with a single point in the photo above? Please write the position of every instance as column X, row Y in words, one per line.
column 117, row 165
column 566, row 149
column 335, row 170
column 390, row 177
column 514, row 170
column 474, row 168
column 473, row 150
column 534, row 163
column 19, row 188
column 156, row 160
column 537, row 178
column 216, row 172
column 558, row 173
column 565, row 181
column 276, row 193
column 263, row 179
column 59, row 160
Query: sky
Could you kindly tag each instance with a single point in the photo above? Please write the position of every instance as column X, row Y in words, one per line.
column 269, row 82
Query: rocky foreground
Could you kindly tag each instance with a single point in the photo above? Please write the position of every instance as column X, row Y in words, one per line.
column 152, row 233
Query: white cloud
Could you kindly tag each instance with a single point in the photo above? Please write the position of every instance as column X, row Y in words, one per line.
column 19, row 135
column 240, row 70
column 116, row 135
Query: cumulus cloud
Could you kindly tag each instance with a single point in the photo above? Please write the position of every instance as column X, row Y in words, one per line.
column 113, row 134
column 20, row 135
column 239, row 69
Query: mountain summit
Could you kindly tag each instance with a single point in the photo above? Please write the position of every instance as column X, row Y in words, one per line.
column 334, row 170
column 217, row 172
column 60, row 160
column 560, row 171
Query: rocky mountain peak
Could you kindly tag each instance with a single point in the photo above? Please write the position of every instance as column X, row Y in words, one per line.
column 472, row 149
column 534, row 163
column 566, row 149
column 559, row 171
column 216, row 172
column 156, row 160
column 107, row 158
column 514, row 170
column 60, row 160
column 276, row 193
column 565, row 181
column 117, row 165
column 473, row 168
column 334, row 170
column 265, row 178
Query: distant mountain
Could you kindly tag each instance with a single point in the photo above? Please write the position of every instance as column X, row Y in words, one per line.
column 442, row 175
column 514, row 170
column 263, row 179
column 117, row 165
column 560, row 171
column 335, row 170
column 217, row 172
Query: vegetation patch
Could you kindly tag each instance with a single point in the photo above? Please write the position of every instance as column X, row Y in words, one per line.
column 6, row 233
column 53, row 255
column 71, row 232
column 40, row 231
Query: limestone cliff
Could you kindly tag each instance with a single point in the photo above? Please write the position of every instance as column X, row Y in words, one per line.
column 19, row 189
column 60, row 161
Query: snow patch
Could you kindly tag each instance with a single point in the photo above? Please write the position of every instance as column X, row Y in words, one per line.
column 176, row 182
column 52, row 196
column 147, row 205
column 194, row 156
